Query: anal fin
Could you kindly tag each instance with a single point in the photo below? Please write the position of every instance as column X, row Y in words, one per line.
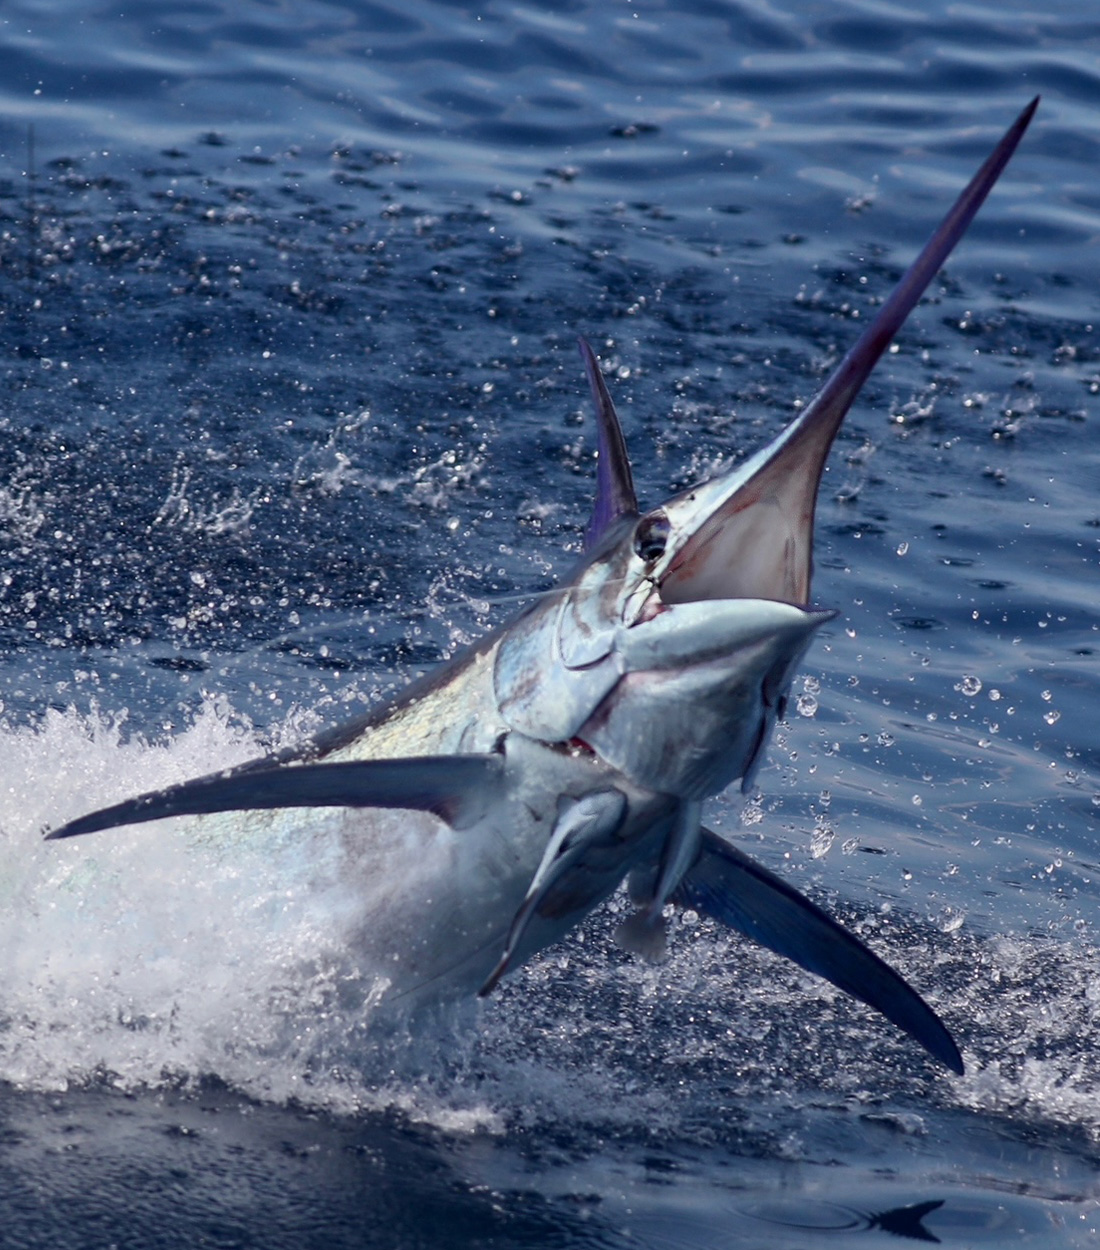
column 645, row 933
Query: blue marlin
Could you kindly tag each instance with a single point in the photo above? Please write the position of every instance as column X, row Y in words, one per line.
column 576, row 746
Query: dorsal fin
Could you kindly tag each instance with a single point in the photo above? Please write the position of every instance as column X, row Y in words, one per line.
column 614, row 482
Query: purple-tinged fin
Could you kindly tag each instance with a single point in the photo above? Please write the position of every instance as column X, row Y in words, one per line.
column 614, row 482
column 732, row 888
column 756, row 540
column 456, row 788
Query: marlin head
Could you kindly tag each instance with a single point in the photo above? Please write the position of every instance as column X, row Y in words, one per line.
column 671, row 651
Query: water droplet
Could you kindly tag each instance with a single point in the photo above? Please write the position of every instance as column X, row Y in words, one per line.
column 1052, row 716
column 969, row 686
column 821, row 840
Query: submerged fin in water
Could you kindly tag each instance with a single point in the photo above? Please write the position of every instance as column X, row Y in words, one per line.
column 907, row 1221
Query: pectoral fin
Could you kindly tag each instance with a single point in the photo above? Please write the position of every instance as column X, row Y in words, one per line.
column 457, row 788
column 728, row 885
column 566, row 881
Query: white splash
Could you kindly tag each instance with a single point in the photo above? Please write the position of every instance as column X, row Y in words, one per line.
column 150, row 957
column 147, row 955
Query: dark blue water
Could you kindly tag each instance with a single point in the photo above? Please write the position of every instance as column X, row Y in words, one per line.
column 292, row 408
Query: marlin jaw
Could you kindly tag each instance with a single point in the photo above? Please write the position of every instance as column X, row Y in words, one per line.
column 577, row 745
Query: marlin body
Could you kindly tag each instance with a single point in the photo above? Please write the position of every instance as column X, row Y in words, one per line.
column 576, row 746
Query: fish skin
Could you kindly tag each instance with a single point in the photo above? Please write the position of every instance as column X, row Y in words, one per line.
column 574, row 747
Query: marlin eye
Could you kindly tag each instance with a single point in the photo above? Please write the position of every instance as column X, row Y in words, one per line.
column 651, row 536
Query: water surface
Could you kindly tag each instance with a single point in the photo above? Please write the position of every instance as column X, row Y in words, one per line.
column 292, row 409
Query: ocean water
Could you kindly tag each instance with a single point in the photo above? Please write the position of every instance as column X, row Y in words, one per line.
column 292, row 409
